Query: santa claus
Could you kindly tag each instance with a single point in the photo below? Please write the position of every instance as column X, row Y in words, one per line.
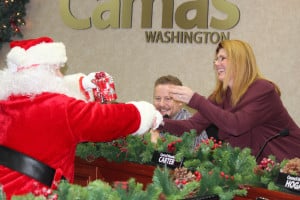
column 41, row 122
column 80, row 86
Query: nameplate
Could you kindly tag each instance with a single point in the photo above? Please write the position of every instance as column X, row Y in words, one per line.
column 289, row 182
column 166, row 159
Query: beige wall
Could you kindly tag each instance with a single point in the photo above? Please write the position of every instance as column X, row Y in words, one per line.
column 270, row 26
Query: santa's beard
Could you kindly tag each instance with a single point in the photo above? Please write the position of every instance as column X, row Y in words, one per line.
column 30, row 82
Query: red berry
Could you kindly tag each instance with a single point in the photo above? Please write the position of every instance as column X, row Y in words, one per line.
column 222, row 174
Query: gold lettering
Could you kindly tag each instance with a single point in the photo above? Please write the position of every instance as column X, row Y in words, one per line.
column 69, row 19
column 233, row 15
column 147, row 10
column 150, row 36
column 159, row 37
column 167, row 13
column 127, row 12
column 167, row 37
column 197, row 37
column 225, row 37
column 185, row 37
column 110, row 8
column 188, row 37
column 200, row 19
column 175, row 36
column 188, row 15
column 206, row 34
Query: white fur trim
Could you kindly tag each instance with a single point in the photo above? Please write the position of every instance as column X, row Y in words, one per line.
column 31, row 82
column 41, row 54
column 72, row 82
column 147, row 113
column 158, row 119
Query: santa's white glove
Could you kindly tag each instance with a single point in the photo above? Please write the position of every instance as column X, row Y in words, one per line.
column 150, row 117
column 158, row 120
column 87, row 82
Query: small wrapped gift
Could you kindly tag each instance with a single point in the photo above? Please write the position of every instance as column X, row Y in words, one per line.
column 105, row 91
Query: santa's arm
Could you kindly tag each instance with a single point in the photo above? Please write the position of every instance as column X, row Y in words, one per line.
column 105, row 122
column 75, row 87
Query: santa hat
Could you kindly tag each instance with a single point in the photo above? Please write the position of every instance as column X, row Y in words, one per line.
column 34, row 52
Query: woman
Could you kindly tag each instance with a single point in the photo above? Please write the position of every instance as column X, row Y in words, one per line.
column 245, row 106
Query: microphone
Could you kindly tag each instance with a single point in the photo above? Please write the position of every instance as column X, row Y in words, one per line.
column 284, row 132
column 166, row 116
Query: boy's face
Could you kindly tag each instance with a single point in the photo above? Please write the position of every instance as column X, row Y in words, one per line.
column 164, row 103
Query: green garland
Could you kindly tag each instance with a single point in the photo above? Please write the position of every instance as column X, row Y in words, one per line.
column 209, row 158
column 222, row 168
column 12, row 13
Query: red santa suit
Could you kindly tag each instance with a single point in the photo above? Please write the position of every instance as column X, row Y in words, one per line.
column 39, row 119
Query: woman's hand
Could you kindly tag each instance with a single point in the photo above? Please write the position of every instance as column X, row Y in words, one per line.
column 181, row 93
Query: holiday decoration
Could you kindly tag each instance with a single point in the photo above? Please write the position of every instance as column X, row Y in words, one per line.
column 182, row 176
column 12, row 13
column 292, row 167
column 105, row 91
column 289, row 176
column 212, row 170
column 222, row 168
